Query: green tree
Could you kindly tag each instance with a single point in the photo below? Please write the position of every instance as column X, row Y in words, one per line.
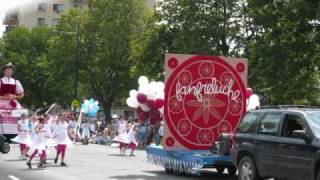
column 111, row 28
column 63, row 56
column 28, row 50
column 284, row 59
column 189, row 27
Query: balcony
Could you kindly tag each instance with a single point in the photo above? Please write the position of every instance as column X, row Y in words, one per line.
column 11, row 18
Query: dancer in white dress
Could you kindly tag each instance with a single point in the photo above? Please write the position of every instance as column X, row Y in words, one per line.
column 39, row 144
column 62, row 139
column 23, row 137
column 132, row 138
column 122, row 135
column 48, row 127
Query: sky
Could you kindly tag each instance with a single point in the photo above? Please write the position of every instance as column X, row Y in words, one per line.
column 5, row 5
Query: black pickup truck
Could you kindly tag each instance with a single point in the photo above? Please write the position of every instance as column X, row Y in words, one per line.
column 281, row 142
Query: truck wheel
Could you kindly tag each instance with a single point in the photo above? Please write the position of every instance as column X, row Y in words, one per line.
column 318, row 175
column 220, row 170
column 232, row 171
column 5, row 148
column 168, row 171
column 247, row 169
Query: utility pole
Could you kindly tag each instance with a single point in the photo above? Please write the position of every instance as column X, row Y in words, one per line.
column 77, row 62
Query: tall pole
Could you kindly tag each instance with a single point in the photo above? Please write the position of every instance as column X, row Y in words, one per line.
column 77, row 61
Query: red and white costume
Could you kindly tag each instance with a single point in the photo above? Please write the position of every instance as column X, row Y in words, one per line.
column 8, row 86
column 61, row 139
column 122, row 136
column 23, row 137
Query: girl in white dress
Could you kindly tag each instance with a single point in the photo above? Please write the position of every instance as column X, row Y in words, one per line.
column 23, row 137
column 132, row 138
column 39, row 144
column 62, row 139
column 122, row 135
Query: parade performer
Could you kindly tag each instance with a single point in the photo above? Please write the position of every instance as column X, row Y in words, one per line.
column 72, row 126
column 10, row 91
column 39, row 144
column 132, row 138
column 85, row 134
column 62, row 139
column 122, row 136
column 48, row 126
column 23, row 137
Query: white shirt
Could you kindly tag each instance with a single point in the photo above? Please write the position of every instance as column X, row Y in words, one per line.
column 10, row 80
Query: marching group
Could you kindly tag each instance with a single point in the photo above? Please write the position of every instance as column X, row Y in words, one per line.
column 37, row 133
column 131, row 135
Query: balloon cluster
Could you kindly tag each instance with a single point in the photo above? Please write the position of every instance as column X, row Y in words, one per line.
column 90, row 107
column 148, row 100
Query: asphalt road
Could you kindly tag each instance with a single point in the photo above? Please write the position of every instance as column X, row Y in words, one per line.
column 92, row 162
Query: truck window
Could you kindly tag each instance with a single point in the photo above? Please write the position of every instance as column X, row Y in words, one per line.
column 270, row 124
column 291, row 123
column 247, row 122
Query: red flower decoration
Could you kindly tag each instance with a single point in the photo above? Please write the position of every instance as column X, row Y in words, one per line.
column 184, row 126
column 206, row 108
column 206, row 69
column 185, row 78
column 205, row 136
column 174, row 105
column 170, row 141
column 240, row 67
column 173, row 63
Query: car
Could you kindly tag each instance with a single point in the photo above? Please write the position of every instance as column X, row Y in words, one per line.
column 280, row 142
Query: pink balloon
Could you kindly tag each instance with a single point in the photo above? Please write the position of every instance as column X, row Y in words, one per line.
column 159, row 103
column 155, row 116
column 142, row 98
column 151, row 104
column 138, row 110
column 143, row 116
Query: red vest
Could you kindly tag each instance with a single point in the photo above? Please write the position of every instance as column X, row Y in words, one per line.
column 7, row 88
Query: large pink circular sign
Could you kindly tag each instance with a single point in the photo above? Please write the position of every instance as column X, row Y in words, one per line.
column 205, row 97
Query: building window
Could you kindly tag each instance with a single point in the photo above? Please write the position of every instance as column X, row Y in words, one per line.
column 55, row 21
column 41, row 21
column 58, row 8
column 42, row 7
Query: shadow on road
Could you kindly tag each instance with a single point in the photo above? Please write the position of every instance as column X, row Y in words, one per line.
column 14, row 160
column 159, row 175
column 116, row 155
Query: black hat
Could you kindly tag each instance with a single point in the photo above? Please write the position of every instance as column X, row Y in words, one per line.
column 9, row 65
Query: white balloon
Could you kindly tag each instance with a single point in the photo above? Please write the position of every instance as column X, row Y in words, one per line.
column 145, row 108
column 133, row 93
column 144, row 89
column 254, row 102
column 86, row 101
column 96, row 103
column 151, row 96
column 160, row 85
column 161, row 110
column 143, row 80
column 131, row 102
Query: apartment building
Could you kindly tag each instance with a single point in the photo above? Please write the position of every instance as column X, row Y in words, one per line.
column 41, row 13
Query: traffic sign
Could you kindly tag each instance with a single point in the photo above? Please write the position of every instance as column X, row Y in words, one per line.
column 75, row 103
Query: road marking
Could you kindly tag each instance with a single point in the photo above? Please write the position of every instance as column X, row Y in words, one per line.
column 13, row 177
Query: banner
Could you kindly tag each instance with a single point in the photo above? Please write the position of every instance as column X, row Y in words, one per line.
column 204, row 97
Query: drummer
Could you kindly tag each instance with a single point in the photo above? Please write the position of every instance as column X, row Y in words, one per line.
column 10, row 89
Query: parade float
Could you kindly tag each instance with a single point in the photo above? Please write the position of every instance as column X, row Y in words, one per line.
column 204, row 98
